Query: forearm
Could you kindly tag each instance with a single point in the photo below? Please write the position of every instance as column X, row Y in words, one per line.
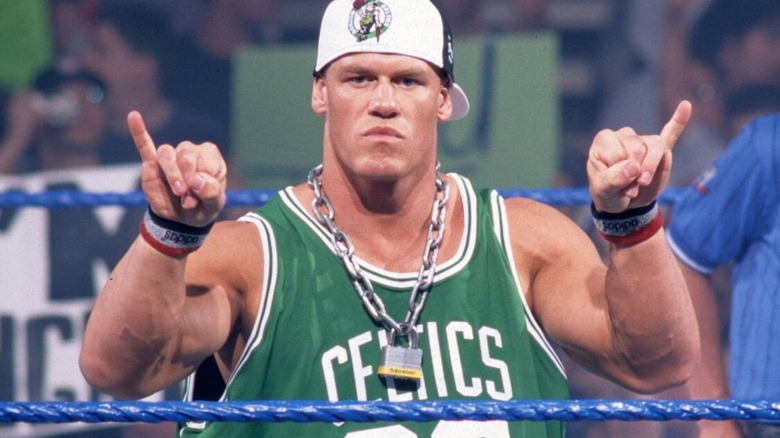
column 709, row 379
column 133, row 331
column 654, row 328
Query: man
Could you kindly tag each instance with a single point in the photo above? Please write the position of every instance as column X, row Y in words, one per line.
column 57, row 123
column 131, row 51
column 730, row 214
column 273, row 296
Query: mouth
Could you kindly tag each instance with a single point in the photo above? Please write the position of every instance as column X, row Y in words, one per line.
column 382, row 132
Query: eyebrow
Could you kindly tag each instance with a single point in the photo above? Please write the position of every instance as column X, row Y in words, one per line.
column 359, row 70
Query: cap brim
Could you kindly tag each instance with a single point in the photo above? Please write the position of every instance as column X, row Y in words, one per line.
column 460, row 103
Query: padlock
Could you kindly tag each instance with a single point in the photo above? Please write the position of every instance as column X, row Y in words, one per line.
column 399, row 362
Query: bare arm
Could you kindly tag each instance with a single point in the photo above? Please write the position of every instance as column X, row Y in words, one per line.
column 632, row 320
column 159, row 316
column 709, row 380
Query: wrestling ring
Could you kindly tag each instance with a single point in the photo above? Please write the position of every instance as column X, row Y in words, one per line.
column 318, row 411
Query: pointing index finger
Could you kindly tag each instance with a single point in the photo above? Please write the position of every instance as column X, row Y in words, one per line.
column 143, row 141
column 675, row 126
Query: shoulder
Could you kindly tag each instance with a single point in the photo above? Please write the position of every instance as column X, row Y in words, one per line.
column 233, row 238
column 769, row 122
column 541, row 234
column 229, row 256
column 529, row 216
column 761, row 136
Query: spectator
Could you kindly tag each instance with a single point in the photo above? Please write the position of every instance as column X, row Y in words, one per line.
column 204, row 62
column 59, row 123
column 730, row 215
column 70, row 21
column 731, row 44
column 741, row 108
column 130, row 45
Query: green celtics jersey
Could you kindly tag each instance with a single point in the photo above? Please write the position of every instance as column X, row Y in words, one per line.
column 313, row 340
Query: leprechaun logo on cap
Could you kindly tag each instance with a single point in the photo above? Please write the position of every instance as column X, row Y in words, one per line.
column 369, row 19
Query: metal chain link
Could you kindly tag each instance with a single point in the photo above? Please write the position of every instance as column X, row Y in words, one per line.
column 362, row 284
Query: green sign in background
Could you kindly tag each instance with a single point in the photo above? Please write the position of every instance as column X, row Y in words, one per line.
column 509, row 139
column 25, row 42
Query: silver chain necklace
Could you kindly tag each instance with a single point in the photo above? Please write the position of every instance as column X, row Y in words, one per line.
column 373, row 304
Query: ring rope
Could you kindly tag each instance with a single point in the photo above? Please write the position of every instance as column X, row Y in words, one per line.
column 244, row 198
column 328, row 412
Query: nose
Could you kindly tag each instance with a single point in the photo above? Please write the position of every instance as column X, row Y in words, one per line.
column 383, row 100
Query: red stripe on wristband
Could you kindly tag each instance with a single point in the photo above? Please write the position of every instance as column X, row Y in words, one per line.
column 172, row 238
column 639, row 235
column 159, row 246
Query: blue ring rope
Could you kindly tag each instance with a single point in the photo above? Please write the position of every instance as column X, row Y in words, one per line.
column 310, row 411
column 249, row 198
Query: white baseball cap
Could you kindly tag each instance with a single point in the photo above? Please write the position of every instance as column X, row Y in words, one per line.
column 405, row 27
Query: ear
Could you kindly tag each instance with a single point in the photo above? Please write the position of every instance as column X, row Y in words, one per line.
column 319, row 96
column 445, row 105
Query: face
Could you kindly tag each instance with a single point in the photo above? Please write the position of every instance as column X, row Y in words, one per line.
column 86, row 131
column 755, row 58
column 381, row 114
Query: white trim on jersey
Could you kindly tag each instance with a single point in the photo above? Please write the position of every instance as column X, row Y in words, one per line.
column 270, row 277
column 501, row 228
column 270, row 263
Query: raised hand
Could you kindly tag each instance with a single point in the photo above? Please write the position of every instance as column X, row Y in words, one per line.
column 185, row 184
column 627, row 170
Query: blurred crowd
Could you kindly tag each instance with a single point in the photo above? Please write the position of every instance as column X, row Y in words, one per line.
column 73, row 69
column 171, row 60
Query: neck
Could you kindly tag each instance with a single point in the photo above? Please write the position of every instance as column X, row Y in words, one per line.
column 388, row 229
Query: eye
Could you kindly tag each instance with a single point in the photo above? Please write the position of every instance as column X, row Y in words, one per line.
column 357, row 79
column 408, row 82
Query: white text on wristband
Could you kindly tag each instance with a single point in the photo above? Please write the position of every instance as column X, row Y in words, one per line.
column 631, row 226
column 172, row 238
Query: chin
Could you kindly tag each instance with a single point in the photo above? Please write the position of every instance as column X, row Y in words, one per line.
column 384, row 169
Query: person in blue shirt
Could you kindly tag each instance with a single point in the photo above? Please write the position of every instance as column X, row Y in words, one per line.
column 731, row 213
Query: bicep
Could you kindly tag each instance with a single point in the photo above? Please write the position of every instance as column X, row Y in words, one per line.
column 221, row 285
column 565, row 278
